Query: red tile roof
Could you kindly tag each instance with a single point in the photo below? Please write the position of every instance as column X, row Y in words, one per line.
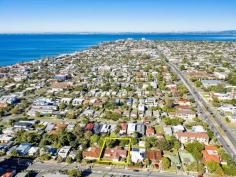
column 154, row 155
column 114, row 153
column 183, row 107
column 192, row 134
column 3, row 105
column 150, row 131
column 123, row 126
column 89, row 126
column 62, row 85
column 210, row 154
column 8, row 174
column 92, row 152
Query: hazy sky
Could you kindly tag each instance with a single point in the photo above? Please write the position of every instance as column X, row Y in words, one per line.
column 116, row 15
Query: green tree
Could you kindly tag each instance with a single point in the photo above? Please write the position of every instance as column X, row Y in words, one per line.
column 173, row 121
column 214, row 167
column 200, row 168
column 232, row 78
column 182, row 90
column 79, row 156
column 163, row 145
column 74, row 173
column 123, row 143
column 195, row 149
column 94, row 139
column 1, row 112
column 165, row 163
column 198, row 83
column 25, row 136
column 37, row 114
column 182, row 67
column 192, row 167
column 71, row 115
column 215, row 102
column 210, row 133
column 62, row 106
column 69, row 160
column 59, row 159
column 45, row 157
column 176, row 144
column 15, row 110
column 229, row 169
column 13, row 153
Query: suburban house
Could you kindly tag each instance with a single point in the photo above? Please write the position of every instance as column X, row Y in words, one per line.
column 140, row 128
column 123, row 128
column 150, row 131
column 137, row 154
column 198, row 128
column 183, row 102
column 185, row 137
column 23, row 149
column 131, row 128
column 60, row 86
column 209, row 83
column 62, row 76
column 184, row 114
column 223, row 96
column 49, row 150
column 89, row 126
column 114, row 154
column 23, row 125
column 228, row 108
column 57, row 128
column 77, row 101
column 168, row 131
column 154, row 155
column 9, row 99
column 33, row 151
column 220, row 75
column 178, row 128
column 92, row 153
column 64, row 151
column 5, row 138
column 9, row 173
column 43, row 106
column 210, row 154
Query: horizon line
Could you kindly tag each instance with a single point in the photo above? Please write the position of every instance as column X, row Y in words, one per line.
column 121, row 32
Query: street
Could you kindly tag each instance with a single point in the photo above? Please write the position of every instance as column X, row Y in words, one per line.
column 97, row 170
column 220, row 130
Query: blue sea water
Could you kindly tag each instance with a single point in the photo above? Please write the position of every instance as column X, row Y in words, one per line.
column 16, row 48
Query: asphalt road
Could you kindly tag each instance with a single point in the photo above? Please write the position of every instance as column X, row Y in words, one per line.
column 97, row 170
column 222, row 133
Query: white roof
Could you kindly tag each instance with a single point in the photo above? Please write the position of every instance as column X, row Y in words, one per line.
column 64, row 151
column 131, row 127
column 33, row 150
column 4, row 137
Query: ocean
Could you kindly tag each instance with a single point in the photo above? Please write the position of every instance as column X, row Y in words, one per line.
column 16, row 48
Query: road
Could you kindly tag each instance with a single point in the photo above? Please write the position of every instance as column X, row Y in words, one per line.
column 97, row 170
column 212, row 117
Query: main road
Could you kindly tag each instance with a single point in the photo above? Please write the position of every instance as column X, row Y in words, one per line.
column 222, row 133
column 98, row 170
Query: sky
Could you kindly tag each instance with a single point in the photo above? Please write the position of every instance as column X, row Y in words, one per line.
column 36, row 16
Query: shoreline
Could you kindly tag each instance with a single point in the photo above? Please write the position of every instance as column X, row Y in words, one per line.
column 111, row 37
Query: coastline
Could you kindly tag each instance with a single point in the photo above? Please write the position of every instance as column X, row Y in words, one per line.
column 18, row 48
